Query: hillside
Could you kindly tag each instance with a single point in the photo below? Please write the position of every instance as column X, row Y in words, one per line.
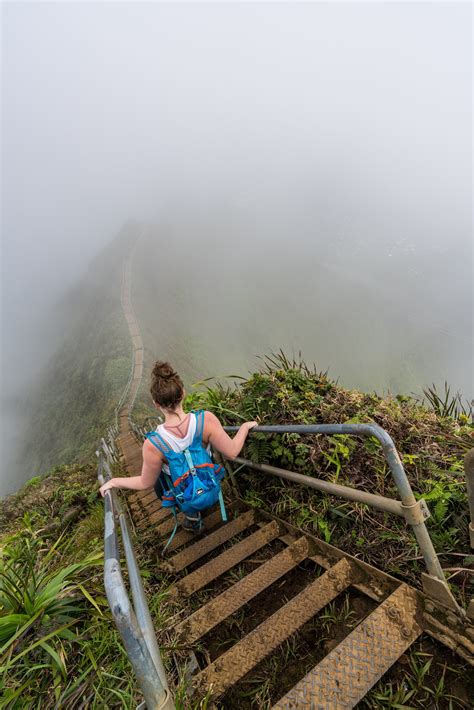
column 75, row 398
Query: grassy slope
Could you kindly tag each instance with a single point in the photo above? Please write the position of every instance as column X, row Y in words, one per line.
column 69, row 651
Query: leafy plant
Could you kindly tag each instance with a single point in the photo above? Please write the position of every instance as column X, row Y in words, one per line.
column 448, row 405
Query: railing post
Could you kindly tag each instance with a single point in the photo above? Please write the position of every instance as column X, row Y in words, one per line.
column 469, row 471
column 414, row 512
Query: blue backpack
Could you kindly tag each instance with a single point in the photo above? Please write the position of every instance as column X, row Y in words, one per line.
column 194, row 480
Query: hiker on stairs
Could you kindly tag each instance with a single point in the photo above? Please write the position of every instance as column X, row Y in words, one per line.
column 177, row 455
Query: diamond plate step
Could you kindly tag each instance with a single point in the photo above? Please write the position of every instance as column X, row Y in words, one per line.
column 210, row 542
column 182, row 537
column 245, row 655
column 229, row 601
column 346, row 675
column 227, row 559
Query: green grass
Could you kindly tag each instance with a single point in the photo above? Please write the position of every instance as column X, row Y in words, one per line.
column 58, row 644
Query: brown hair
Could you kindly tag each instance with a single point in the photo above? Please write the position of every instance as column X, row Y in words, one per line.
column 166, row 385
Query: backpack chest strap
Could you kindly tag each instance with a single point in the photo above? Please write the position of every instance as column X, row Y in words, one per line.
column 190, row 462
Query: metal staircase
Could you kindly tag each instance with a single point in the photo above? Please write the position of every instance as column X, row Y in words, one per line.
column 344, row 676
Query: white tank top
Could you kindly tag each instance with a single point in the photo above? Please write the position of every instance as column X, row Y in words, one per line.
column 176, row 443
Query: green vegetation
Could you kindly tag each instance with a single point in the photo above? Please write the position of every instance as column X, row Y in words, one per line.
column 58, row 645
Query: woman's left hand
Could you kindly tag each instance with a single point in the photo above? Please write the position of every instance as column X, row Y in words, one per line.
column 106, row 487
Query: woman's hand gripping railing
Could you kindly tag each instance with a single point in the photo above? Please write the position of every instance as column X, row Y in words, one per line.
column 133, row 622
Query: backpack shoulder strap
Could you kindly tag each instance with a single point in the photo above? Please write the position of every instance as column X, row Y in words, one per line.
column 158, row 442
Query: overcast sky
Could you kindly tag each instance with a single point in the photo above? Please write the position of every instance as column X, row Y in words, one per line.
column 346, row 125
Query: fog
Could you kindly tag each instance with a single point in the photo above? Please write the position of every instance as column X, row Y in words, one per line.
column 313, row 160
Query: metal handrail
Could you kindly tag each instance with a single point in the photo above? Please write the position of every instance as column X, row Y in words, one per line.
column 415, row 512
column 133, row 621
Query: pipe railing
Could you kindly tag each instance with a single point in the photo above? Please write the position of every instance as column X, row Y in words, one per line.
column 415, row 512
column 133, row 621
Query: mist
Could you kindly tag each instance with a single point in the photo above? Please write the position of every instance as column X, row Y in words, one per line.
column 304, row 172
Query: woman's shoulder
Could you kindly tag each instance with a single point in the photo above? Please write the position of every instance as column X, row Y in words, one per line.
column 150, row 449
column 209, row 416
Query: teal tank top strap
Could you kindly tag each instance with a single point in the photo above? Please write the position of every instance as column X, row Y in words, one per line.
column 158, row 442
column 199, row 426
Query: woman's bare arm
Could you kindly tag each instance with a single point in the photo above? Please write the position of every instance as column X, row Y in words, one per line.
column 152, row 463
column 220, row 440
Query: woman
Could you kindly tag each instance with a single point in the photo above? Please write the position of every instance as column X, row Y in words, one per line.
column 178, row 431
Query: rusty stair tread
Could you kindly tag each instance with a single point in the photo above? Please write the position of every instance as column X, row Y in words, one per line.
column 232, row 599
column 133, row 457
column 152, row 507
column 137, row 496
column 148, row 497
column 134, row 461
column 210, row 542
column 227, row 559
column 159, row 515
column 140, row 495
column 210, row 521
column 229, row 668
column 156, row 505
column 346, row 675
column 167, row 523
column 181, row 537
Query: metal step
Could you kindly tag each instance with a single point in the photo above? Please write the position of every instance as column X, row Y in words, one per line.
column 227, row 559
column 148, row 497
column 209, row 542
column 245, row 655
column 210, row 521
column 229, row 601
column 151, row 505
column 182, row 537
column 346, row 675
column 155, row 506
column 142, row 497
column 167, row 525
column 158, row 514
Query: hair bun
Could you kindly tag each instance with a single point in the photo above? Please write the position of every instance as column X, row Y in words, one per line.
column 163, row 371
